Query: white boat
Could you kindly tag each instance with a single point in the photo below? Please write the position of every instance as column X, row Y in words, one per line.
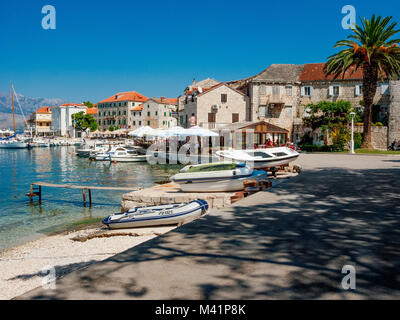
column 260, row 158
column 13, row 144
column 216, row 177
column 87, row 151
column 125, row 155
column 157, row 215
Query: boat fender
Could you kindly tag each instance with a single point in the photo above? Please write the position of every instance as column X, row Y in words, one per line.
column 234, row 172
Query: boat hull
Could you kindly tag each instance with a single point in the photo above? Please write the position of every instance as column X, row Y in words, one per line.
column 221, row 185
column 13, row 145
column 157, row 215
column 138, row 158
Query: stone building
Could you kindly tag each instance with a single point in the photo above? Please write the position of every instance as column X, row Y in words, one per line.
column 193, row 88
column 274, row 95
column 316, row 86
column 159, row 113
column 213, row 107
column 61, row 123
column 40, row 121
column 114, row 111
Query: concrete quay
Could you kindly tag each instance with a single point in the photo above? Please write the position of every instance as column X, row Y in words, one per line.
column 288, row 242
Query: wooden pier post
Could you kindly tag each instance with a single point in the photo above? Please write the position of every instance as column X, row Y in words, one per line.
column 40, row 193
column 31, row 194
column 84, row 197
column 90, row 198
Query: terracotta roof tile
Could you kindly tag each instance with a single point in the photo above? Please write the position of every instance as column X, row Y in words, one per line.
column 126, row 96
column 44, row 110
column 315, row 72
column 91, row 111
column 138, row 108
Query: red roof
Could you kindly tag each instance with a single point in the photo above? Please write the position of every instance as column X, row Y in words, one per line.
column 72, row 105
column 126, row 96
column 138, row 108
column 173, row 101
column 44, row 110
column 315, row 72
column 91, row 111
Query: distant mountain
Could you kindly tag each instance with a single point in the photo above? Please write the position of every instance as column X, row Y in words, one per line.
column 28, row 105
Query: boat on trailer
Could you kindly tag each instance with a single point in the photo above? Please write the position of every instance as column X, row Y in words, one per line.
column 167, row 214
column 216, row 177
column 260, row 158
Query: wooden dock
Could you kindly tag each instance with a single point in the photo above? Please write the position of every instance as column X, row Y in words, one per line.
column 36, row 190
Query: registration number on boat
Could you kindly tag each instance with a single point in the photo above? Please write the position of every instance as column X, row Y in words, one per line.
column 165, row 212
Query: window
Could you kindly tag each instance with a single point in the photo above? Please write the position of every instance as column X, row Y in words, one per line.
column 119, row 112
column 262, row 111
column 133, row 104
column 334, row 91
column 211, row 117
column 263, row 90
column 288, row 111
column 134, row 123
column 307, row 91
column 148, row 113
column 275, row 90
column 125, row 113
column 235, row 117
column 140, row 123
column 156, row 113
column 148, row 122
column 288, row 90
column 358, row 90
column 165, row 114
column 384, row 88
column 224, row 97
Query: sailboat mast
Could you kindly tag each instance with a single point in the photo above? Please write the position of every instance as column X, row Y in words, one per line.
column 12, row 103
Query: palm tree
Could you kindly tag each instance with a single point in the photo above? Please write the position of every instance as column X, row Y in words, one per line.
column 371, row 49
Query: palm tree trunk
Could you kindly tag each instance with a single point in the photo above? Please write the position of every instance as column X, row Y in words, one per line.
column 370, row 80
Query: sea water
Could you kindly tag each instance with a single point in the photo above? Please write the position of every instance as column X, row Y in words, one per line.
column 22, row 220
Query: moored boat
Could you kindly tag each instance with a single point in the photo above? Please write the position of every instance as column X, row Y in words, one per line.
column 157, row 215
column 260, row 158
column 216, row 177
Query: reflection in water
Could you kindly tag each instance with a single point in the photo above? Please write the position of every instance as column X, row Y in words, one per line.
column 21, row 220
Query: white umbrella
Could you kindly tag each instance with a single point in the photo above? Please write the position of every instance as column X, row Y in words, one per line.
column 200, row 132
column 142, row 131
column 176, row 132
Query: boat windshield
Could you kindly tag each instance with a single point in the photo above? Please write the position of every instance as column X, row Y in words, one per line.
column 213, row 167
column 280, row 154
column 259, row 154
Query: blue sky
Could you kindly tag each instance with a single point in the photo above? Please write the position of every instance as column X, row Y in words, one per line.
column 158, row 47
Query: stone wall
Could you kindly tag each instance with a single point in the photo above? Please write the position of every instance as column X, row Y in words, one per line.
column 379, row 136
column 394, row 112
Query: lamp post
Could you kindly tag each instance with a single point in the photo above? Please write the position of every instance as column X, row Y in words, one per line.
column 352, row 114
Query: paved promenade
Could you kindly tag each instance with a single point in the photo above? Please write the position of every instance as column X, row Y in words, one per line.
column 290, row 242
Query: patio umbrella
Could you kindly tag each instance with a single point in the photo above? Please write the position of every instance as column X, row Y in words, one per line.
column 200, row 132
column 176, row 132
column 142, row 131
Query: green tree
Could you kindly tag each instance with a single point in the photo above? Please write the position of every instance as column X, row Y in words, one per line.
column 371, row 49
column 84, row 122
column 88, row 104
column 330, row 116
column 112, row 128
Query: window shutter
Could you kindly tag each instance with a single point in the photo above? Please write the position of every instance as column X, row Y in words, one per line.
column 330, row 91
column 384, row 88
column 357, row 90
column 302, row 93
column 311, row 91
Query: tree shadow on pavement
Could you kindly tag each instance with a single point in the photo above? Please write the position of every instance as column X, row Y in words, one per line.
column 290, row 242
